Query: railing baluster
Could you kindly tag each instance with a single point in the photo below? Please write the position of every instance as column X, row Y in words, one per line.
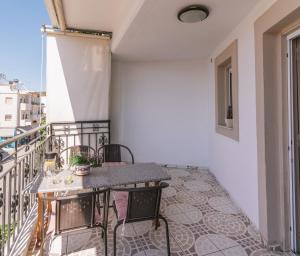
column 22, row 177
column 59, row 144
column 3, row 213
column 96, row 135
column 31, row 177
column 19, row 197
column 67, row 145
column 14, row 200
column 81, row 134
column 9, row 211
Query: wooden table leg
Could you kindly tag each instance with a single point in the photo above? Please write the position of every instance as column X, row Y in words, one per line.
column 40, row 220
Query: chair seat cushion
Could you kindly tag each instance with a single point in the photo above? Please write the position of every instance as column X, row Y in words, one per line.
column 113, row 164
column 121, row 202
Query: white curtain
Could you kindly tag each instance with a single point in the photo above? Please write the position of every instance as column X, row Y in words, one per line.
column 78, row 73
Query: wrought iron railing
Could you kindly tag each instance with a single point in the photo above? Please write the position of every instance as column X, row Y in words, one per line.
column 24, row 159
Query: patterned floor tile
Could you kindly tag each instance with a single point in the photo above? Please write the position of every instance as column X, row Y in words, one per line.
column 202, row 221
column 193, row 198
column 228, row 225
column 169, row 192
column 197, row 185
column 223, row 204
column 204, row 246
column 236, row 251
column 264, row 252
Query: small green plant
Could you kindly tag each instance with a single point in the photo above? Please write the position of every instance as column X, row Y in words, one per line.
column 12, row 227
column 82, row 160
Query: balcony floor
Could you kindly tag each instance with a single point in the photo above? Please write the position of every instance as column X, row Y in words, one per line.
column 202, row 219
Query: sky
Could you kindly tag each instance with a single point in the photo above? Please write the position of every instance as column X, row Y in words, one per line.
column 20, row 40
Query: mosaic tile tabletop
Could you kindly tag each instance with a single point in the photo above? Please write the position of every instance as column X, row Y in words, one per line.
column 202, row 220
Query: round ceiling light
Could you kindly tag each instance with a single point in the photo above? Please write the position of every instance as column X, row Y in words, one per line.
column 193, row 13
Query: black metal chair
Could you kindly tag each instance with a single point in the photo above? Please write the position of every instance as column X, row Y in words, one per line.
column 86, row 151
column 138, row 204
column 81, row 211
column 75, row 209
column 114, row 153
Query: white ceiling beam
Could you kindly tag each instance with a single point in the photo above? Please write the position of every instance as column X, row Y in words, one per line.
column 56, row 13
column 52, row 13
column 60, row 14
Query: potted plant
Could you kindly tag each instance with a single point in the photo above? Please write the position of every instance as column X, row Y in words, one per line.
column 81, row 164
column 229, row 118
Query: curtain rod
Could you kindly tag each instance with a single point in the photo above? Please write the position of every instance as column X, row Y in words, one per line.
column 77, row 32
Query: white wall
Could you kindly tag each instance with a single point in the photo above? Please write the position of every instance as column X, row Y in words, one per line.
column 160, row 110
column 78, row 78
column 235, row 163
column 9, row 109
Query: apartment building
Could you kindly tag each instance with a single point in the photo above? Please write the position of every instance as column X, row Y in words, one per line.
column 20, row 109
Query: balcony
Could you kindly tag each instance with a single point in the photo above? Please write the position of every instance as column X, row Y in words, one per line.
column 203, row 219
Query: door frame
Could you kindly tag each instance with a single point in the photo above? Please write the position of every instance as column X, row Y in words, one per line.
column 295, row 246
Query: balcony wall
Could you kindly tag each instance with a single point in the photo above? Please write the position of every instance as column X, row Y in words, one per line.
column 160, row 110
column 235, row 163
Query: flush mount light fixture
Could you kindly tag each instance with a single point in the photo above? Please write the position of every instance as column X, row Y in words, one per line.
column 193, row 13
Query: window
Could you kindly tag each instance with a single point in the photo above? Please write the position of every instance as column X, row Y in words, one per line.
column 226, row 77
column 8, row 100
column 8, row 117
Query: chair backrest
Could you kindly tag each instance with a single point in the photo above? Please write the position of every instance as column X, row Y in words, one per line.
column 144, row 202
column 75, row 211
column 86, row 151
column 113, row 153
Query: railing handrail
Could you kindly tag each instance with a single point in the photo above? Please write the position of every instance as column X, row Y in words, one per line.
column 78, row 122
column 34, row 130
column 22, row 135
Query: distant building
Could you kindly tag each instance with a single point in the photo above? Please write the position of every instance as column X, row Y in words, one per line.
column 43, row 104
column 20, row 109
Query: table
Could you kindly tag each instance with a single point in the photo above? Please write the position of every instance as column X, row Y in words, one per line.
column 99, row 177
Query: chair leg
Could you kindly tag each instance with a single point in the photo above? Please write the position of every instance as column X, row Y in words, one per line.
column 167, row 234
column 105, row 241
column 104, row 210
column 115, row 238
column 156, row 223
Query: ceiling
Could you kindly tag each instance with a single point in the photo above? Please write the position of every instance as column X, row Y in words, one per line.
column 146, row 30
column 106, row 15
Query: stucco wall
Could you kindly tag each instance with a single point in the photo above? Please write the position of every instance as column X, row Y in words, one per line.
column 160, row 110
column 235, row 163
